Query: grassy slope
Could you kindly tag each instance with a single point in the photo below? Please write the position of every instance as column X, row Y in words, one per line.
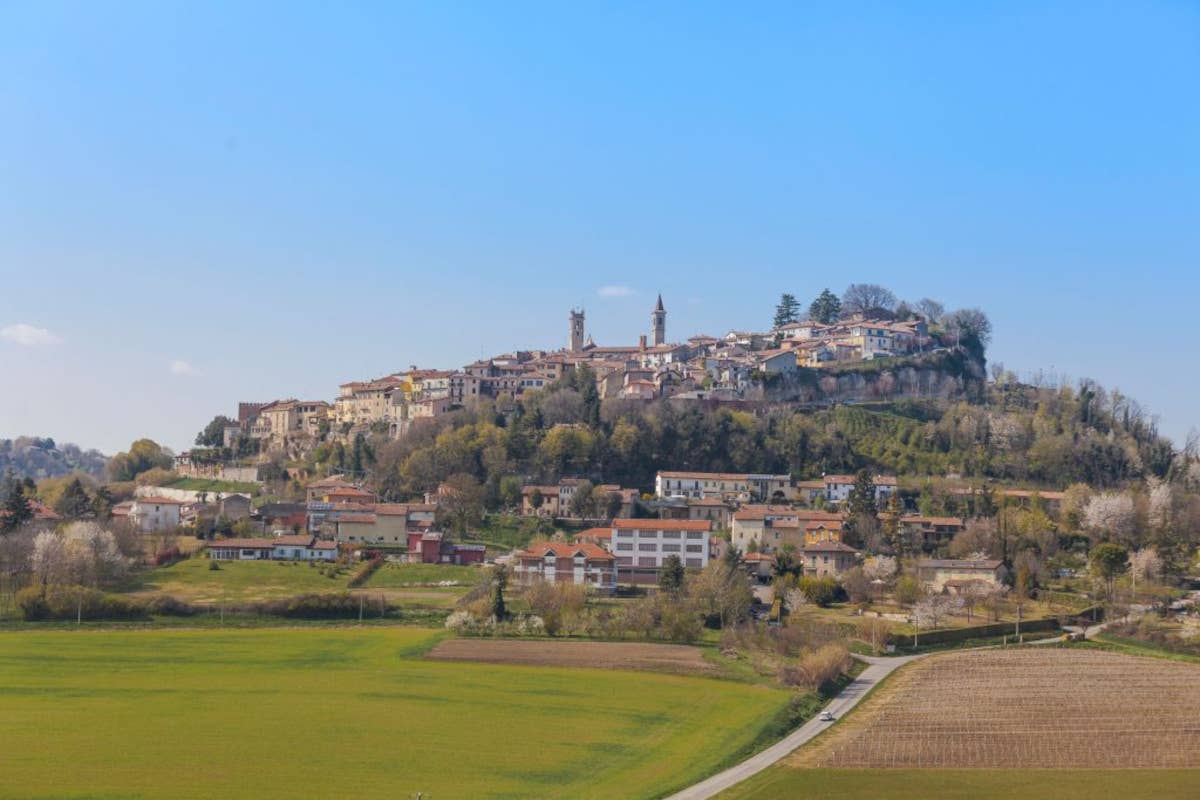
column 350, row 713
column 391, row 576
column 214, row 485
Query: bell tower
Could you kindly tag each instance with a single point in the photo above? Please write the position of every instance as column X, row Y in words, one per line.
column 658, row 323
column 576, row 336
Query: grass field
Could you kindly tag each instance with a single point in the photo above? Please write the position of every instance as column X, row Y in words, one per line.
column 967, row 784
column 404, row 585
column 393, row 576
column 347, row 713
column 236, row 581
column 214, row 485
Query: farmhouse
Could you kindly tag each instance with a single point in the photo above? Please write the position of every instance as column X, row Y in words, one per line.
column 582, row 564
column 838, row 487
column 770, row 527
column 828, row 558
column 929, row 532
column 742, row 488
column 954, row 575
column 155, row 514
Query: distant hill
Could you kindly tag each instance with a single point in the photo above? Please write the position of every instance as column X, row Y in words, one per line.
column 40, row 458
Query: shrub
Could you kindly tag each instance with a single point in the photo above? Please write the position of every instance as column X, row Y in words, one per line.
column 63, row 602
column 167, row 555
column 817, row 668
column 213, row 566
column 332, row 605
column 365, row 572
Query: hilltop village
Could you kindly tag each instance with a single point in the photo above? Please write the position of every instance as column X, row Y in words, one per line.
column 703, row 368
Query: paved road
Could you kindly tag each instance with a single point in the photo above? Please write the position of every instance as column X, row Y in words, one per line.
column 877, row 669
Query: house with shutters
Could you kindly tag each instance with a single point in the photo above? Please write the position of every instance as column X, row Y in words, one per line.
column 581, row 563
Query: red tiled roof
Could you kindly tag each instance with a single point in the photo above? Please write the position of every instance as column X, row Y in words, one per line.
column 662, row 524
column 566, row 550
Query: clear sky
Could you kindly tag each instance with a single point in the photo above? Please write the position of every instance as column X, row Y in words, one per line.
column 202, row 203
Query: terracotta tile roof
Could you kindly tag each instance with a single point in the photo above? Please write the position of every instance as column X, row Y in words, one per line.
column 594, row 533
column 567, row 550
column 299, row 540
column 662, row 524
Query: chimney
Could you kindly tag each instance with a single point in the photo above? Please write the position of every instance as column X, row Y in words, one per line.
column 642, row 343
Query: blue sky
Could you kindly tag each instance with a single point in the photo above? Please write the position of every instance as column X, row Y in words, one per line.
column 201, row 203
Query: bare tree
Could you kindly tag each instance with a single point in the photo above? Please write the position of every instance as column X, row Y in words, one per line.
column 866, row 298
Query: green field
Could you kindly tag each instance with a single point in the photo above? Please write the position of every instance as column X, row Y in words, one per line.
column 967, row 784
column 394, row 576
column 236, row 581
column 347, row 713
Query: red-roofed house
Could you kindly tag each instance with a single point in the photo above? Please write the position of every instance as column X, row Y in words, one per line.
column 583, row 564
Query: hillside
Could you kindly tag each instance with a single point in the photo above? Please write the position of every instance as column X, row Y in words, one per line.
column 37, row 458
column 1000, row 431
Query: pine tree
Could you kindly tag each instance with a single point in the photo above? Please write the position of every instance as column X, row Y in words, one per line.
column 670, row 577
column 862, row 497
column 826, row 308
column 499, row 609
column 788, row 310
column 74, row 502
column 17, row 510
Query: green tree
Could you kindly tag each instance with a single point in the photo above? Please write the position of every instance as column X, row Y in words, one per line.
column 670, row 576
column 1109, row 560
column 826, row 308
column 788, row 310
column 499, row 583
column 74, row 502
column 102, row 503
column 142, row 456
column 861, row 500
column 213, row 434
column 786, row 563
column 510, row 491
column 16, row 510
column 536, row 499
column 582, row 504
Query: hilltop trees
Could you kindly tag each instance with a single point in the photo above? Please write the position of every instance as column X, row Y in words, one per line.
column 868, row 299
column 787, row 312
column 213, row 434
column 143, row 455
column 826, row 308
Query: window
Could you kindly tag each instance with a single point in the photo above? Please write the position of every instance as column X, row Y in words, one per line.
column 624, row 545
column 695, row 548
column 693, row 562
column 695, row 534
column 625, row 534
column 670, row 534
column 670, row 548
column 647, row 561
column 647, row 547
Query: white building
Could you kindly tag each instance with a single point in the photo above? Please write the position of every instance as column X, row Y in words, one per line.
column 641, row 545
column 737, row 487
column 155, row 514
column 838, row 488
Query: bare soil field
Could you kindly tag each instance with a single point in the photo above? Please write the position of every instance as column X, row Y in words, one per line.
column 604, row 655
column 1030, row 708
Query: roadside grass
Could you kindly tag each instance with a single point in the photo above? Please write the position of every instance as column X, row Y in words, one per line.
column 349, row 713
column 965, row 784
column 1135, row 647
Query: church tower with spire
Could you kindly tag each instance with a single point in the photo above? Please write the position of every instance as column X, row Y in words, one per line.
column 658, row 323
